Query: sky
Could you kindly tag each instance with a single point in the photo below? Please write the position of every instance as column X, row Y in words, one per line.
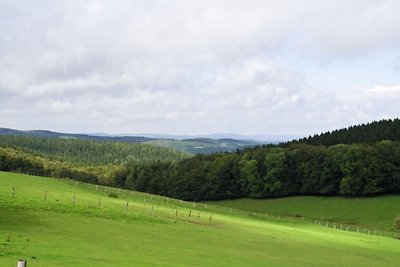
column 198, row 66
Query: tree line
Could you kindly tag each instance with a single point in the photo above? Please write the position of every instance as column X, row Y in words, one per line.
column 359, row 134
column 270, row 171
column 300, row 169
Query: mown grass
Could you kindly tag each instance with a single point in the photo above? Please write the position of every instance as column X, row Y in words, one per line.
column 56, row 232
column 371, row 212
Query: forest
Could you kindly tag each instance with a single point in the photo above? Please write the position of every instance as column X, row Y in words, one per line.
column 297, row 168
column 359, row 134
column 88, row 152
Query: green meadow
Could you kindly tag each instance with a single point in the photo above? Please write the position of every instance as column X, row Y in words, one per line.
column 54, row 222
column 377, row 212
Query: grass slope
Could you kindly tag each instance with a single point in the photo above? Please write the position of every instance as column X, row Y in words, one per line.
column 54, row 232
column 371, row 212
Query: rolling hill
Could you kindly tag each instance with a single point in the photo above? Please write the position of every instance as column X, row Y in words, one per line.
column 53, row 222
column 188, row 145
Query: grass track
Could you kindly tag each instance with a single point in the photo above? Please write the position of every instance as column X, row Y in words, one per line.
column 59, row 234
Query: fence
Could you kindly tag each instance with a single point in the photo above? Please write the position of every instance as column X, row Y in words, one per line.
column 176, row 209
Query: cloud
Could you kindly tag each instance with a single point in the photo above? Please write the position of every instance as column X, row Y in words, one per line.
column 195, row 66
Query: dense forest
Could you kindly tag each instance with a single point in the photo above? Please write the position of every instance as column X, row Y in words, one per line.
column 360, row 134
column 87, row 152
column 351, row 170
column 270, row 171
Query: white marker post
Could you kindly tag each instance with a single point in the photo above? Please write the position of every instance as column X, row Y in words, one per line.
column 21, row 263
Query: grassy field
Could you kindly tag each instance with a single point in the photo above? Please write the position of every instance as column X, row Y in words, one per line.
column 77, row 225
column 371, row 212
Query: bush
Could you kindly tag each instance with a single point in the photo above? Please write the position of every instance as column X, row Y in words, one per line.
column 113, row 195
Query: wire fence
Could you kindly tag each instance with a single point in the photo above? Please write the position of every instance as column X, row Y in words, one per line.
column 134, row 203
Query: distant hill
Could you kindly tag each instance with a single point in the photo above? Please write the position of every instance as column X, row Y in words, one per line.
column 187, row 144
column 204, row 145
column 359, row 134
column 50, row 134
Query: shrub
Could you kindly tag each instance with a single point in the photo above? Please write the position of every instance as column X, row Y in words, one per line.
column 113, row 195
column 397, row 223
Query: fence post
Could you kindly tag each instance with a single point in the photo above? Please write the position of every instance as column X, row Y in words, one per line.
column 13, row 191
column 21, row 263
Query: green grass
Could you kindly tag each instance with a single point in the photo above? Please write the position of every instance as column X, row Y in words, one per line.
column 372, row 212
column 57, row 233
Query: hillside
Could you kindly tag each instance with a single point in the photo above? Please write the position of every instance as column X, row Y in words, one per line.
column 192, row 145
column 205, row 145
column 50, row 134
column 57, row 223
column 87, row 152
column 377, row 212
column 359, row 134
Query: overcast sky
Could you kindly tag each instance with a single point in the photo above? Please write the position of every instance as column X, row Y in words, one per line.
column 197, row 67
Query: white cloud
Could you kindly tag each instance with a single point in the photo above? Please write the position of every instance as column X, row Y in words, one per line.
column 195, row 66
